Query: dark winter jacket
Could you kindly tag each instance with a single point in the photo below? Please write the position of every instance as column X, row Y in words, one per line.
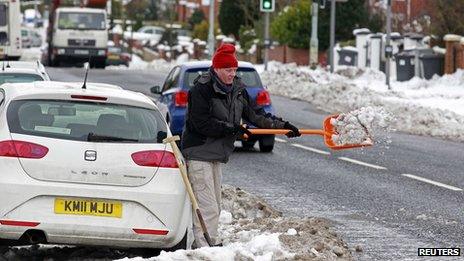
column 209, row 111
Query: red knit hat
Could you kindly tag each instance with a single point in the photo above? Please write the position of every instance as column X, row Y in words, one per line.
column 225, row 57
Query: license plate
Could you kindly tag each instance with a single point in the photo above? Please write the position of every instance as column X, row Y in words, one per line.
column 88, row 207
column 81, row 51
column 113, row 57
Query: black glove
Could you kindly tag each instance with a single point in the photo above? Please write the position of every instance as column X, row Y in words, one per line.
column 234, row 129
column 294, row 132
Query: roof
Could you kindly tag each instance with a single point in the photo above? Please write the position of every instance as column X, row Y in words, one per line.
column 23, row 64
column 64, row 90
column 24, row 67
column 205, row 63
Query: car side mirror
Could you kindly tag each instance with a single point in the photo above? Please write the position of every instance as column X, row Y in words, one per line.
column 156, row 89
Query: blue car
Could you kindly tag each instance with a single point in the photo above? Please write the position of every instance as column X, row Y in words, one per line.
column 174, row 94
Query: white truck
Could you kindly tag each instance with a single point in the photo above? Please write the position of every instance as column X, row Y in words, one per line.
column 10, row 29
column 79, row 34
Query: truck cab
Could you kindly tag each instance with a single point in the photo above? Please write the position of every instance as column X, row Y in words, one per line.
column 10, row 29
column 80, row 34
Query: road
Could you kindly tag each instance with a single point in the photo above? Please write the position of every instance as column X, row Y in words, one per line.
column 389, row 199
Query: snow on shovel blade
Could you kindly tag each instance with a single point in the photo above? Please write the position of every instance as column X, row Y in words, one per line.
column 330, row 132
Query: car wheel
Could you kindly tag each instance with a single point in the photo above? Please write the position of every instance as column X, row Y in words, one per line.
column 266, row 143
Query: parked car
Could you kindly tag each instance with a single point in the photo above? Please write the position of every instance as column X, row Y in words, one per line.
column 18, row 71
column 117, row 57
column 174, row 94
column 88, row 167
column 152, row 34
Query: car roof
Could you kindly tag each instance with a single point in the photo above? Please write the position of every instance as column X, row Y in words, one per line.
column 36, row 68
column 64, row 90
column 206, row 63
column 24, row 64
column 87, row 9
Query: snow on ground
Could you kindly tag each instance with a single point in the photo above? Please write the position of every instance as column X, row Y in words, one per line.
column 250, row 229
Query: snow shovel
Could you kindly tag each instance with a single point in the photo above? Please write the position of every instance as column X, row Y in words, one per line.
column 327, row 133
column 183, row 171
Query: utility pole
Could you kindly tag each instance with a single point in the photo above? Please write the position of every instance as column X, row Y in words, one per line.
column 266, row 40
column 332, row 34
column 266, row 6
column 388, row 47
column 211, row 29
column 314, row 43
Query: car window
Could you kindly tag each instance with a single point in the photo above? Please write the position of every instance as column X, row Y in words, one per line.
column 172, row 80
column 19, row 77
column 76, row 120
column 148, row 31
column 3, row 14
column 249, row 76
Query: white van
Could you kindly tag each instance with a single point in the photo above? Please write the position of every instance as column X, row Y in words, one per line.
column 79, row 33
column 10, row 29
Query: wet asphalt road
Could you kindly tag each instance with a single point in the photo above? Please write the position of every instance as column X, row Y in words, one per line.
column 385, row 199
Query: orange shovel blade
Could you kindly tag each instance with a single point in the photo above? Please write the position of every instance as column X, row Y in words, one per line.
column 329, row 130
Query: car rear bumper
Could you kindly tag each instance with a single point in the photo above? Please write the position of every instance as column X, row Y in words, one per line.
column 156, row 215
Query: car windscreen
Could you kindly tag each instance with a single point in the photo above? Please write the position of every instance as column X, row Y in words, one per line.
column 81, row 21
column 249, row 76
column 86, row 121
column 19, row 77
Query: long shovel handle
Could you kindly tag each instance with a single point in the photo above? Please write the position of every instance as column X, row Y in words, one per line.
column 188, row 187
column 285, row 131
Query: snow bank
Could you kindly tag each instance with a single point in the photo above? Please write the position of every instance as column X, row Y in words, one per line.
column 250, row 229
column 434, row 107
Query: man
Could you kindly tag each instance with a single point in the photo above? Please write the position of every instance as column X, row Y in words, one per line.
column 216, row 104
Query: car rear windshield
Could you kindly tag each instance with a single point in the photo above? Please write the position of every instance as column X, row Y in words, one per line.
column 19, row 77
column 249, row 76
column 81, row 21
column 86, row 121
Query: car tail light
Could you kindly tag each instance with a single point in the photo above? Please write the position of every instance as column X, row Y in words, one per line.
column 181, row 98
column 155, row 158
column 150, row 231
column 263, row 98
column 89, row 97
column 22, row 149
column 18, row 223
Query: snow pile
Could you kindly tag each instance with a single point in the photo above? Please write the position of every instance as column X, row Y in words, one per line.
column 434, row 107
column 360, row 126
column 137, row 63
column 250, row 229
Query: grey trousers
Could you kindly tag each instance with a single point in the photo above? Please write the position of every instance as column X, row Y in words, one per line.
column 205, row 178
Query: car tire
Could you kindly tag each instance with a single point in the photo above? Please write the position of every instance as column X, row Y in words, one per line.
column 266, row 143
column 100, row 64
